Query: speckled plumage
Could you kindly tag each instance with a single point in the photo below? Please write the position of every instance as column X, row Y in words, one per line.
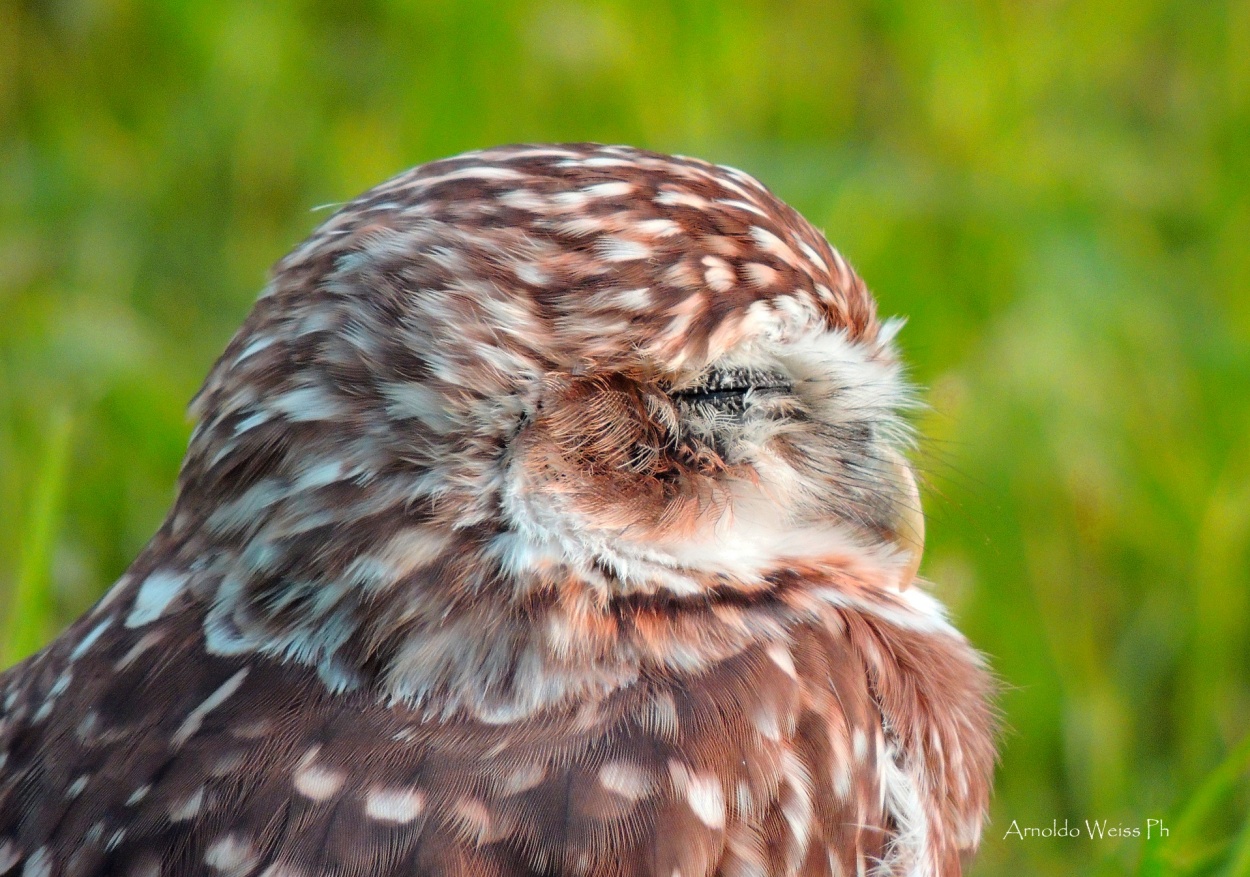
column 547, row 516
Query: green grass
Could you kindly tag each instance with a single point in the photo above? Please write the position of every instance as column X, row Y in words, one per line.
column 1056, row 194
column 31, row 609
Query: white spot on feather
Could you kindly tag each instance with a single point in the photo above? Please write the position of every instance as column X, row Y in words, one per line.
column 523, row 199
column 315, row 781
column 581, row 226
column 703, row 792
column 230, row 854
column 474, row 816
column 9, row 855
column 395, row 805
column 767, row 722
column 660, row 228
column 528, row 272
column 158, row 590
column 662, row 714
column 188, row 807
column 627, row 780
column 632, row 299
column 523, row 778
column 774, row 246
column 859, row 744
column 61, row 685
column 815, row 258
column 39, row 864
column 307, row 404
column 796, row 804
column 617, row 249
column 707, row 800
column 742, row 205
column 718, row 274
column 782, row 658
column 138, row 795
column 89, row 640
column 597, row 161
column 614, row 189
column 320, row 474
column 145, row 642
column 253, row 348
column 413, row 399
column 472, row 172
column 281, row 869
column 680, row 198
column 570, row 200
column 760, row 275
column 192, row 723
column 251, row 422
column 412, row 549
column 227, row 764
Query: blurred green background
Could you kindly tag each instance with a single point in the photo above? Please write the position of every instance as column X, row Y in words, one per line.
column 1055, row 193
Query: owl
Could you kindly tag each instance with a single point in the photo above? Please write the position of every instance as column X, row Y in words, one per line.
column 549, row 515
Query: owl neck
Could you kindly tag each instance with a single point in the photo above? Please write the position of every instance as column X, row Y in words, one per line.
column 450, row 632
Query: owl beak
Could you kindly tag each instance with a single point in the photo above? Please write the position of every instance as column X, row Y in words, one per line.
column 908, row 530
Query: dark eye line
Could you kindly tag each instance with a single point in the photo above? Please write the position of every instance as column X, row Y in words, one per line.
column 730, row 383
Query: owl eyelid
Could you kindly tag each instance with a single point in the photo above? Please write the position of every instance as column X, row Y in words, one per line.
column 723, row 383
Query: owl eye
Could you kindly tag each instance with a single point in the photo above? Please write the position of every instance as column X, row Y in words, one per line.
column 727, row 389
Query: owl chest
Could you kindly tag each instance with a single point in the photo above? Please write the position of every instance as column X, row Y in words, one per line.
column 751, row 768
column 771, row 763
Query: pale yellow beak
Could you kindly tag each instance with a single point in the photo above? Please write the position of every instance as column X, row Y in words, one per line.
column 909, row 529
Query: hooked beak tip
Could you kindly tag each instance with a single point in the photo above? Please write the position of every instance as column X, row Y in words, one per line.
column 908, row 530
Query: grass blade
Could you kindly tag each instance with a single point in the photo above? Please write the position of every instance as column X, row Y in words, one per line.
column 29, row 606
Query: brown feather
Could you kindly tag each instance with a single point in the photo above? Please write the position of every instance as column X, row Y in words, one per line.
column 455, row 584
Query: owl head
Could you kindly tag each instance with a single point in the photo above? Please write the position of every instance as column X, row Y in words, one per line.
column 540, row 370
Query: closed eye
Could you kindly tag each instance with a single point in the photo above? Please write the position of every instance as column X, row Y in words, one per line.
column 727, row 388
